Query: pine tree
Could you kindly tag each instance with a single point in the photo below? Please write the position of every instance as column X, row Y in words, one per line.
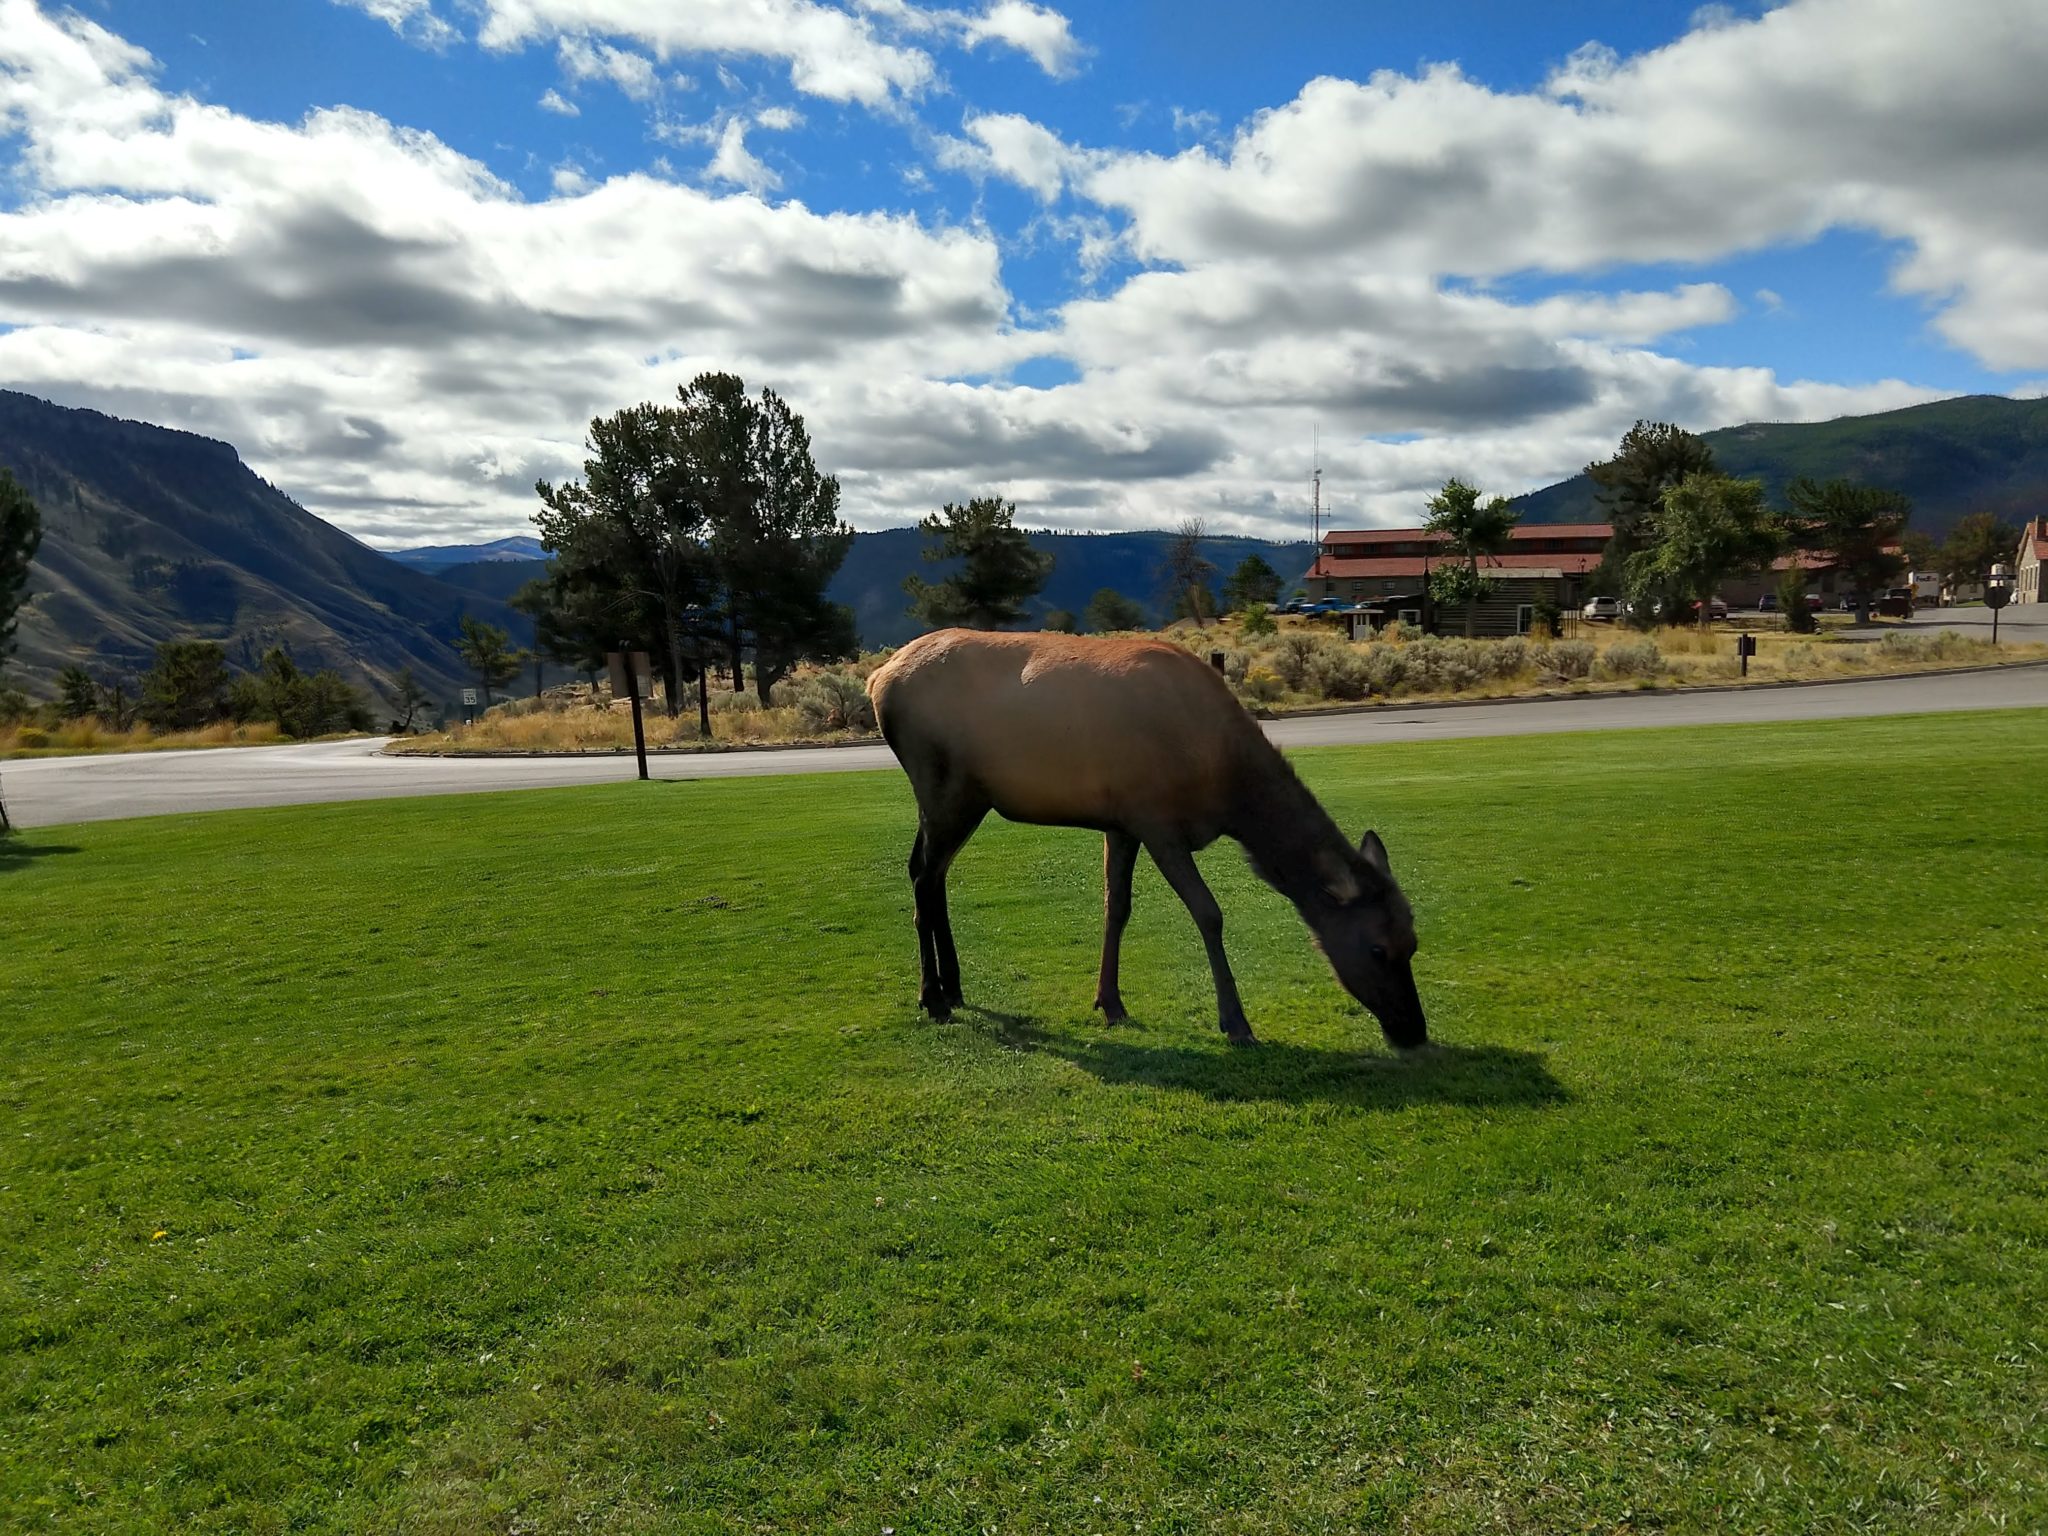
column 21, row 531
column 999, row 573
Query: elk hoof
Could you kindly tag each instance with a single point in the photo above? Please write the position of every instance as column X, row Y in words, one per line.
column 935, row 1004
column 1242, row 1035
column 1112, row 1010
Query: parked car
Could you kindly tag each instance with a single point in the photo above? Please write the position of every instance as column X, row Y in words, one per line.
column 1602, row 608
column 1768, row 603
column 1895, row 604
column 1718, row 608
column 1814, row 603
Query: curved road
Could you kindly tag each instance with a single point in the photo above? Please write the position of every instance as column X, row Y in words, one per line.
column 53, row 790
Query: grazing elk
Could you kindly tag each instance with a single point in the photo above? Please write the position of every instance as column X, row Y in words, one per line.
column 1138, row 740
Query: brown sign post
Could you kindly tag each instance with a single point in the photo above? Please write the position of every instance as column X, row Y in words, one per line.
column 630, row 679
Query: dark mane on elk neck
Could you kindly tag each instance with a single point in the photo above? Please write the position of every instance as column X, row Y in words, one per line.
column 1139, row 740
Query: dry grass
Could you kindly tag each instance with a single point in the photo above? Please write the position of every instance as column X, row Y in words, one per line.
column 817, row 705
column 91, row 734
column 1300, row 667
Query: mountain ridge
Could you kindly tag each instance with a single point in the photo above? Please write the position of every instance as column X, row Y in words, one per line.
column 151, row 533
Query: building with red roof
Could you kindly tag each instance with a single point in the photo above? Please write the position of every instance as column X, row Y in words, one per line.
column 2033, row 555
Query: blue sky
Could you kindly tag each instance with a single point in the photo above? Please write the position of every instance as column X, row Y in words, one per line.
column 1117, row 261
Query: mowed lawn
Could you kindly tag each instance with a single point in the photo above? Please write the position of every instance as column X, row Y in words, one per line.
column 577, row 1160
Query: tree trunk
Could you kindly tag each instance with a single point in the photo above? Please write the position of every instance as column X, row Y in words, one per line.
column 1472, row 598
column 703, row 694
column 675, row 665
column 766, row 676
column 536, row 671
column 738, row 672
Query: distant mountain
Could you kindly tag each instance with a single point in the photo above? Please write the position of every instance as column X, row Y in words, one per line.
column 440, row 557
column 1978, row 453
column 871, row 580
column 151, row 534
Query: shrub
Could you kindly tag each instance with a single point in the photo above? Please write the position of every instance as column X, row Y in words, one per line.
column 31, row 736
column 1290, row 658
column 1510, row 657
column 1339, row 672
column 1386, row 669
column 1632, row 658
column 726, row 702
column 1257, row 621
column 1792, row 599
column 1571, row 659
column 1263, row 685
column 832, row 701
column 1394, row 632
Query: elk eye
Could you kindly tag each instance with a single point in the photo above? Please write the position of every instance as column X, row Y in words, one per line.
column 1379, row 952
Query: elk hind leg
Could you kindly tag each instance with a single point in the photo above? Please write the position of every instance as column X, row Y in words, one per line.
column 943, row 832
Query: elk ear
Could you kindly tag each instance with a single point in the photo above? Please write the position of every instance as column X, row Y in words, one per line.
column 1375, row 853
column 1338, row 877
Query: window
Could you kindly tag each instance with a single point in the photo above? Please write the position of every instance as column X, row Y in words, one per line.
column 1410, row 616
column 1525, row 617
column 1358, row 589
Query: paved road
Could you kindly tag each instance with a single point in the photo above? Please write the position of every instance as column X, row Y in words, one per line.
column 49, row 791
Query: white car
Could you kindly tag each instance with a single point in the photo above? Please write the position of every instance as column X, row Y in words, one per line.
column 1602, row 608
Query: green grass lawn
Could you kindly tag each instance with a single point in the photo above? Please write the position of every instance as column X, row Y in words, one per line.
column 577, row 1160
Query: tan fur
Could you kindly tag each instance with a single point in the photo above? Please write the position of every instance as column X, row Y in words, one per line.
column 1070, row 730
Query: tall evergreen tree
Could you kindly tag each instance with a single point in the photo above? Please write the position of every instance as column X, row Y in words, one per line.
column 487, row 651
column 631, row 545
column 1109, row 611
column 774, row 532
column 408, row 697
column 1859, row 525
column 1705, row 529
column 77, row 694
column 1653, row 456
column 187, row 687
column 1253, row 583
column 1470, row 530
column 1974, row 545
column 999, row 571
column 21, row 531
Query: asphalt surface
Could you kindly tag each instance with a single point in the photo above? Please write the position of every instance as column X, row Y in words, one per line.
column 54, row 790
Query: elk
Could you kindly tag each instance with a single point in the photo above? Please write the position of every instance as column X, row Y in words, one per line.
column 1138, row 740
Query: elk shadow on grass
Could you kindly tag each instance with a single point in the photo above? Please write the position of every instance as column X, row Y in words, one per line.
column 1474, row 1076
column 16, row 854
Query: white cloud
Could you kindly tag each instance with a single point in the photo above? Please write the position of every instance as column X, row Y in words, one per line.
column 1011, row 147
column 830, row 53
column 735, row 164
column 552, row 100
column 1030, row 29
column 414, row 19
column 403, row 340
column 633, row 73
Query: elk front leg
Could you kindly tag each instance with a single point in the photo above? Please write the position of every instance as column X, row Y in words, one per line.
column 1178, row 865
column 1119, row 858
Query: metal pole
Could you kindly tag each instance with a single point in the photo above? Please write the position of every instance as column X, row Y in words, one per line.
column 639, row 733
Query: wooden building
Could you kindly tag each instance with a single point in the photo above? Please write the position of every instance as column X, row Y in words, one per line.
column 1387, row 570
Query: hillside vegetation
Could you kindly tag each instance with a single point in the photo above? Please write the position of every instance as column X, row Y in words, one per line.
column 1978, row 453
column 152, row 535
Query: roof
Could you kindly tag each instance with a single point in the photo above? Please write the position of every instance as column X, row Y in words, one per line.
column 1329, row 567
column 1601, row 531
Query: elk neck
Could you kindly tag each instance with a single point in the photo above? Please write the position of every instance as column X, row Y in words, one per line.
column 1282, row 826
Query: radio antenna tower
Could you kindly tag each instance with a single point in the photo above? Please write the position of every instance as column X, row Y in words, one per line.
column 1316, row 506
